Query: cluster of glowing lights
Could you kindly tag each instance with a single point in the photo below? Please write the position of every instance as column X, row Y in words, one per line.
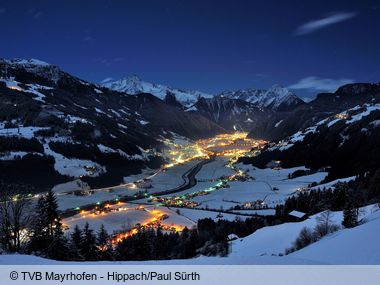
column 235, row 144
column 342, row 116
column 238, row 143
column 14, row 87
column 154, row 222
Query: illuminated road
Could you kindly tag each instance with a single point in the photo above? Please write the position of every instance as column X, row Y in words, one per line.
column 188, row 177
column 189, row 182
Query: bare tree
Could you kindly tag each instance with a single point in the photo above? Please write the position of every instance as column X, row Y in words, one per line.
column 325, row 224
column 14, row 216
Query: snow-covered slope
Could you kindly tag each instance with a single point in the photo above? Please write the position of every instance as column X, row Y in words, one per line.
column 275, row 97
column 134, row 85
column 349, row 117
column 358, row 245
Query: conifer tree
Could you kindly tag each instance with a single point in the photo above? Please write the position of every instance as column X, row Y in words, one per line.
column 46, row 220
column 59, row 248
column 350, row 216
column 104, row 244
column 88, row 248
column 76, row 243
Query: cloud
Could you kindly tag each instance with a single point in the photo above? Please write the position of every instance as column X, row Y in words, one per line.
column 108, row 79
column 315, row 25
column 109, row 61
column 2, row 10
column 313, row 83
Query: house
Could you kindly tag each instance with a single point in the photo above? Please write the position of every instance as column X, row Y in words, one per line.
column 297, row 215
column 274, row 164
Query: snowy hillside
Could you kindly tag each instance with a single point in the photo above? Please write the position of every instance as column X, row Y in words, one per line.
column 134, row 85
column 336, row 248
column 347, row 118
column 275, row 97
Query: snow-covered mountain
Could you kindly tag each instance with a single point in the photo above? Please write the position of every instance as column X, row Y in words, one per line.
column 275, row 98
column 282, row 124
column 347, row 142
column 57, row 125
column 134, row 85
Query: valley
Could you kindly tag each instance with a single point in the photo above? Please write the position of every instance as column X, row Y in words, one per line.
column 201, row 180
column 137, row 165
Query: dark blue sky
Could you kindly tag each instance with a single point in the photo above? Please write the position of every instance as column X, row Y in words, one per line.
column 210, row 46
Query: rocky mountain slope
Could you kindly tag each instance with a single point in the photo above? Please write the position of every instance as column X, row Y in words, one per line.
column 231, row 114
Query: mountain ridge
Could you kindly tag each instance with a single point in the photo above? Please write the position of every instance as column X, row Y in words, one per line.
column 275, row 98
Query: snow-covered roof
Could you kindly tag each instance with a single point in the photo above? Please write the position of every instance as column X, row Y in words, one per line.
column 297, row 214
column 232, row 237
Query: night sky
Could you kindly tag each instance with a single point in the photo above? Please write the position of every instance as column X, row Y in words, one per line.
column 311, row 46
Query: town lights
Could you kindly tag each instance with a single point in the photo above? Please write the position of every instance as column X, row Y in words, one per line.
column 132, row 185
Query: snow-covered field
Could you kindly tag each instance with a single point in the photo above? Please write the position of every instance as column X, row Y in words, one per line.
column 262, row 188
column 26, row 132
column 171, row 178
column 214, row 170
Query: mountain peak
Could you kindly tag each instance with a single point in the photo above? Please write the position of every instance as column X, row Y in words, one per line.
column 25, row 62
column 133, row 85
column 275, row 97
column 278, row 87
column 132, row 77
